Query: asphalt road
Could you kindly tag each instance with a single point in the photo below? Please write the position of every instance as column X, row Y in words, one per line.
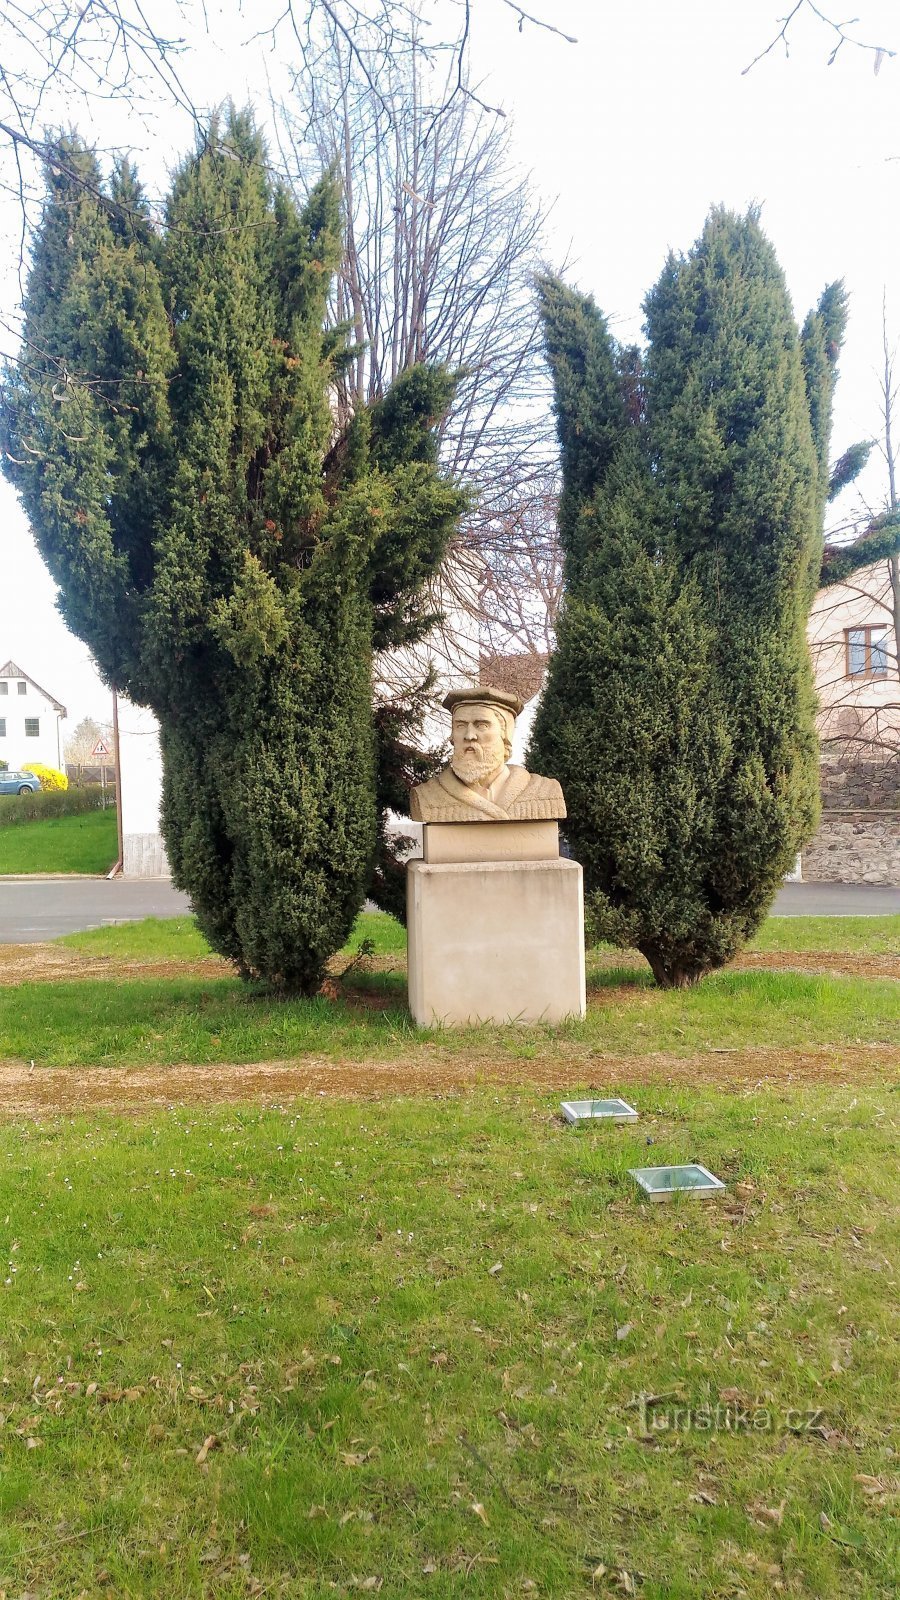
column 43, row 908
column 837, row 900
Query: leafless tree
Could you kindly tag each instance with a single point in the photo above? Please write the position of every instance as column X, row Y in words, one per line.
column 80, row 743
column 59, row 56
column 522, row 583
column 443, row 236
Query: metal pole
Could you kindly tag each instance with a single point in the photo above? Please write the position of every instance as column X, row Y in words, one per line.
column 117, row 767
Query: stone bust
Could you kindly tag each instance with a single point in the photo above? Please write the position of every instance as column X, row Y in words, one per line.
column 480, row 785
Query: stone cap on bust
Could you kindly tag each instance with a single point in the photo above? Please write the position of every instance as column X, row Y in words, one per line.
column 510, row 703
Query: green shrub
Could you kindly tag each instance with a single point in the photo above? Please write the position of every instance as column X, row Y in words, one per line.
column 679, row 713
column 37, row 807
column 233, row 548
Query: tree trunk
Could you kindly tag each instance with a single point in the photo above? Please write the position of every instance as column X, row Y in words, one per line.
column 670, row 974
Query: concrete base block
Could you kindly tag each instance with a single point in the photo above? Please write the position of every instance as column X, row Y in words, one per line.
column 495, row 942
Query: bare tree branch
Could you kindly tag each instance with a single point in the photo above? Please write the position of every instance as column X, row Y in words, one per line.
column 443, row 237
column 59, row 54
column 841, row 29
column 538, row 22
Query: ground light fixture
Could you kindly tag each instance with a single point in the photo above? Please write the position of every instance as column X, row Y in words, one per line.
column 614, row 1110
column 662, row 1183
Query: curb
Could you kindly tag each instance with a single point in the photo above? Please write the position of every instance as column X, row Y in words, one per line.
column 52, row 877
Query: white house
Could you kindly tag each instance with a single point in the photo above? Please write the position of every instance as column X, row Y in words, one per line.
column 29, row 721
column 854, row 644
column 854, row 651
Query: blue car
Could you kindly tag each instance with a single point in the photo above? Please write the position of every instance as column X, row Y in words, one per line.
column 18, row 783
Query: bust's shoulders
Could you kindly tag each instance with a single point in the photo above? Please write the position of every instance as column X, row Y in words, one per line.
column 538, row 799
column 426, row 798
column 526, row 797
column 538, row 784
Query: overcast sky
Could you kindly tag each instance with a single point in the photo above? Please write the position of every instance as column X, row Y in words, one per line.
column 633, row 133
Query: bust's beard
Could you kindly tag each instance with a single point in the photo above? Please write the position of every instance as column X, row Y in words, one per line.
column 474, row 769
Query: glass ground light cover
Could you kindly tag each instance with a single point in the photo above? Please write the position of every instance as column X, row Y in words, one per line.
column 661, row 1183
column 614, row 1110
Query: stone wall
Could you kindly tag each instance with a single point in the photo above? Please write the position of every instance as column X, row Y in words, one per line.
column 854, row 847
column 859, row 837
column 851, row 784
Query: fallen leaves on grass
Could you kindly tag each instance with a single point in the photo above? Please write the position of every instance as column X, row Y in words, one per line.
column 881, row 1490
column 357, row 1458
column 773, row 1515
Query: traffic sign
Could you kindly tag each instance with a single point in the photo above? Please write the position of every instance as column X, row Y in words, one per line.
column 101, row 748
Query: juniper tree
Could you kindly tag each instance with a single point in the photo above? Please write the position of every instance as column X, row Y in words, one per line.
column 679, row 711
column 231, row 558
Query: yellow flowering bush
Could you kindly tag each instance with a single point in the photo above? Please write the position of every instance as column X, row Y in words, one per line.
column 51, row 777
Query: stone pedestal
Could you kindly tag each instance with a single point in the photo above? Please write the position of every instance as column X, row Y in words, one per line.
column 494, row 940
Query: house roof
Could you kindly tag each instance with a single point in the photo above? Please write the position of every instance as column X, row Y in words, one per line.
column 12, row 671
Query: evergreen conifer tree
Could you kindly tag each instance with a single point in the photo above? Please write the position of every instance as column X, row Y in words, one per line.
column 231, row 560
column 679, row 709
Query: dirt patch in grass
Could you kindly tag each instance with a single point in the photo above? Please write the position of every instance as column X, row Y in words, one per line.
column 26, row 1092
column 41, row 963
column 843, row 964
column 829, row 963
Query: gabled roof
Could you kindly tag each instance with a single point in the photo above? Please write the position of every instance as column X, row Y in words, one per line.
column 12, row 671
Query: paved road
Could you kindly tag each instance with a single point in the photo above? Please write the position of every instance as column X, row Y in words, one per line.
column 837, row 900
column 44, row 908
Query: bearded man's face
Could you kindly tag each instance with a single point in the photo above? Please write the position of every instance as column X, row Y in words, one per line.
column 479, row 750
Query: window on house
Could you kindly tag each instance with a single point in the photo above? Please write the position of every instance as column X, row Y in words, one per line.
column 2, row 727
column 23, row 688
column 32, row 727
column 4, row 686
column 867, row 652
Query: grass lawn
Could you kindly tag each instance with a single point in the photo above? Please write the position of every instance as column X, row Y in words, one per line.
column 840, row 935
column 61, row 844
column 337, row 1347
column 150, row 1021
column 326, row 1346
column 185, row 1018
column 179, row 938
column 182, row 1017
